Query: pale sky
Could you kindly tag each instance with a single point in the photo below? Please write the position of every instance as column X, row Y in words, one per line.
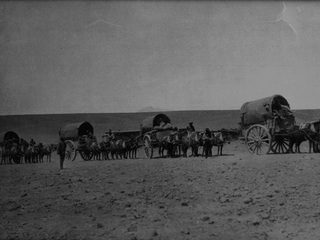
column 122, row 56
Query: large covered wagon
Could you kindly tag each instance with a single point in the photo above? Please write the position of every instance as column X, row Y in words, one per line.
column 77, row 137
column 153, row 131
column 266, row 124
column 8, row 140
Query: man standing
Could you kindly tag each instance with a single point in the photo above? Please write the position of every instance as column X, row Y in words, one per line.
column 61, row 151
column 110, row 135
column 190, row 129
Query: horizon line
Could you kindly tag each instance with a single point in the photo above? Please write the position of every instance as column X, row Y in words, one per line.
column 37, row 114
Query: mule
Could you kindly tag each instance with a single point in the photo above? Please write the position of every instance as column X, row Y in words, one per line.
column 186, row 141
column 219, row 139
column 308, row 131
column 166, row 144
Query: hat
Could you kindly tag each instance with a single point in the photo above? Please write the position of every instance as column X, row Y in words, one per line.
column 190, row 122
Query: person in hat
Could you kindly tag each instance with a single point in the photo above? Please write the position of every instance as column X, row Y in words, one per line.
column 207, row 133
column 32, row 142
column 191, row 127
column 110, row 135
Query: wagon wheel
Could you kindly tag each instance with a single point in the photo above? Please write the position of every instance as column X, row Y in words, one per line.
column 280, row 144
column 86, row 155
column 258, row 140
column 70, row 152
column 148, row 147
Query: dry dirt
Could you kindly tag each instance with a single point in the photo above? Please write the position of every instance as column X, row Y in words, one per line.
column 235, row 196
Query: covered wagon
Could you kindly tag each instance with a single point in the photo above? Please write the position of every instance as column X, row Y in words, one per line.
column 266, row 124
column 78, row 137
column 8, row 141
column 153, row 131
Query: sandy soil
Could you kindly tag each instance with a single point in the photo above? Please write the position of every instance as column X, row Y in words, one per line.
column 235, row 196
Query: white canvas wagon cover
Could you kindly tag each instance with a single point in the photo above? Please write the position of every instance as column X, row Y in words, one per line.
column 8, row 135
column 73, row 131
column 150, row 122
column 260, row 110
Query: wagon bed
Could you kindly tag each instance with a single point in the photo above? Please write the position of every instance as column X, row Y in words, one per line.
column 72, row 134
column 152, row 135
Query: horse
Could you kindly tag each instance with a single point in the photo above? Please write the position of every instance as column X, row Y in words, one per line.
column 46, row 151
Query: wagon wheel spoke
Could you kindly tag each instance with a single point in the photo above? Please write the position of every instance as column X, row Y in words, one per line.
column 265, row 144
column 282, row 149
column 148, row 147
column 265, row 141
column 277, row 148
column 70, row 151
column 280, row 145
column 250, row 138
column 258, row 140
column 286, row 143
column 86, row 155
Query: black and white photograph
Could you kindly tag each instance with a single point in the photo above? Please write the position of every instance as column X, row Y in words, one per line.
column 154, row 120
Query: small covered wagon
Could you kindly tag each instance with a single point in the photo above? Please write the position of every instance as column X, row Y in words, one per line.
column 153, row 131
column 78, row 138
column 267, row 124
column 9, row 142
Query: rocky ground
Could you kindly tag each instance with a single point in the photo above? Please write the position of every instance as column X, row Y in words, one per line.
column 235, row 196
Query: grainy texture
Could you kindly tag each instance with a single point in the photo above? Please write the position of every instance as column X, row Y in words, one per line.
column 235, row 196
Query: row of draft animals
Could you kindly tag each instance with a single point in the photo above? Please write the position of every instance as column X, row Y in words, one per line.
column 179, row 142
column 306, row 131
column 175, row 144
column 25, row 152
column 113, row 149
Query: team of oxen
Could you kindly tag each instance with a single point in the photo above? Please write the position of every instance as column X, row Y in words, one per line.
column 23, row 151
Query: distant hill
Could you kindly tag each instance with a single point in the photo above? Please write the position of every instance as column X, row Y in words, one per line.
column 153, row 109
column 45, row 128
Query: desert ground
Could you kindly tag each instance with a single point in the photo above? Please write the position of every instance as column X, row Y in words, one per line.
column 234, row 196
